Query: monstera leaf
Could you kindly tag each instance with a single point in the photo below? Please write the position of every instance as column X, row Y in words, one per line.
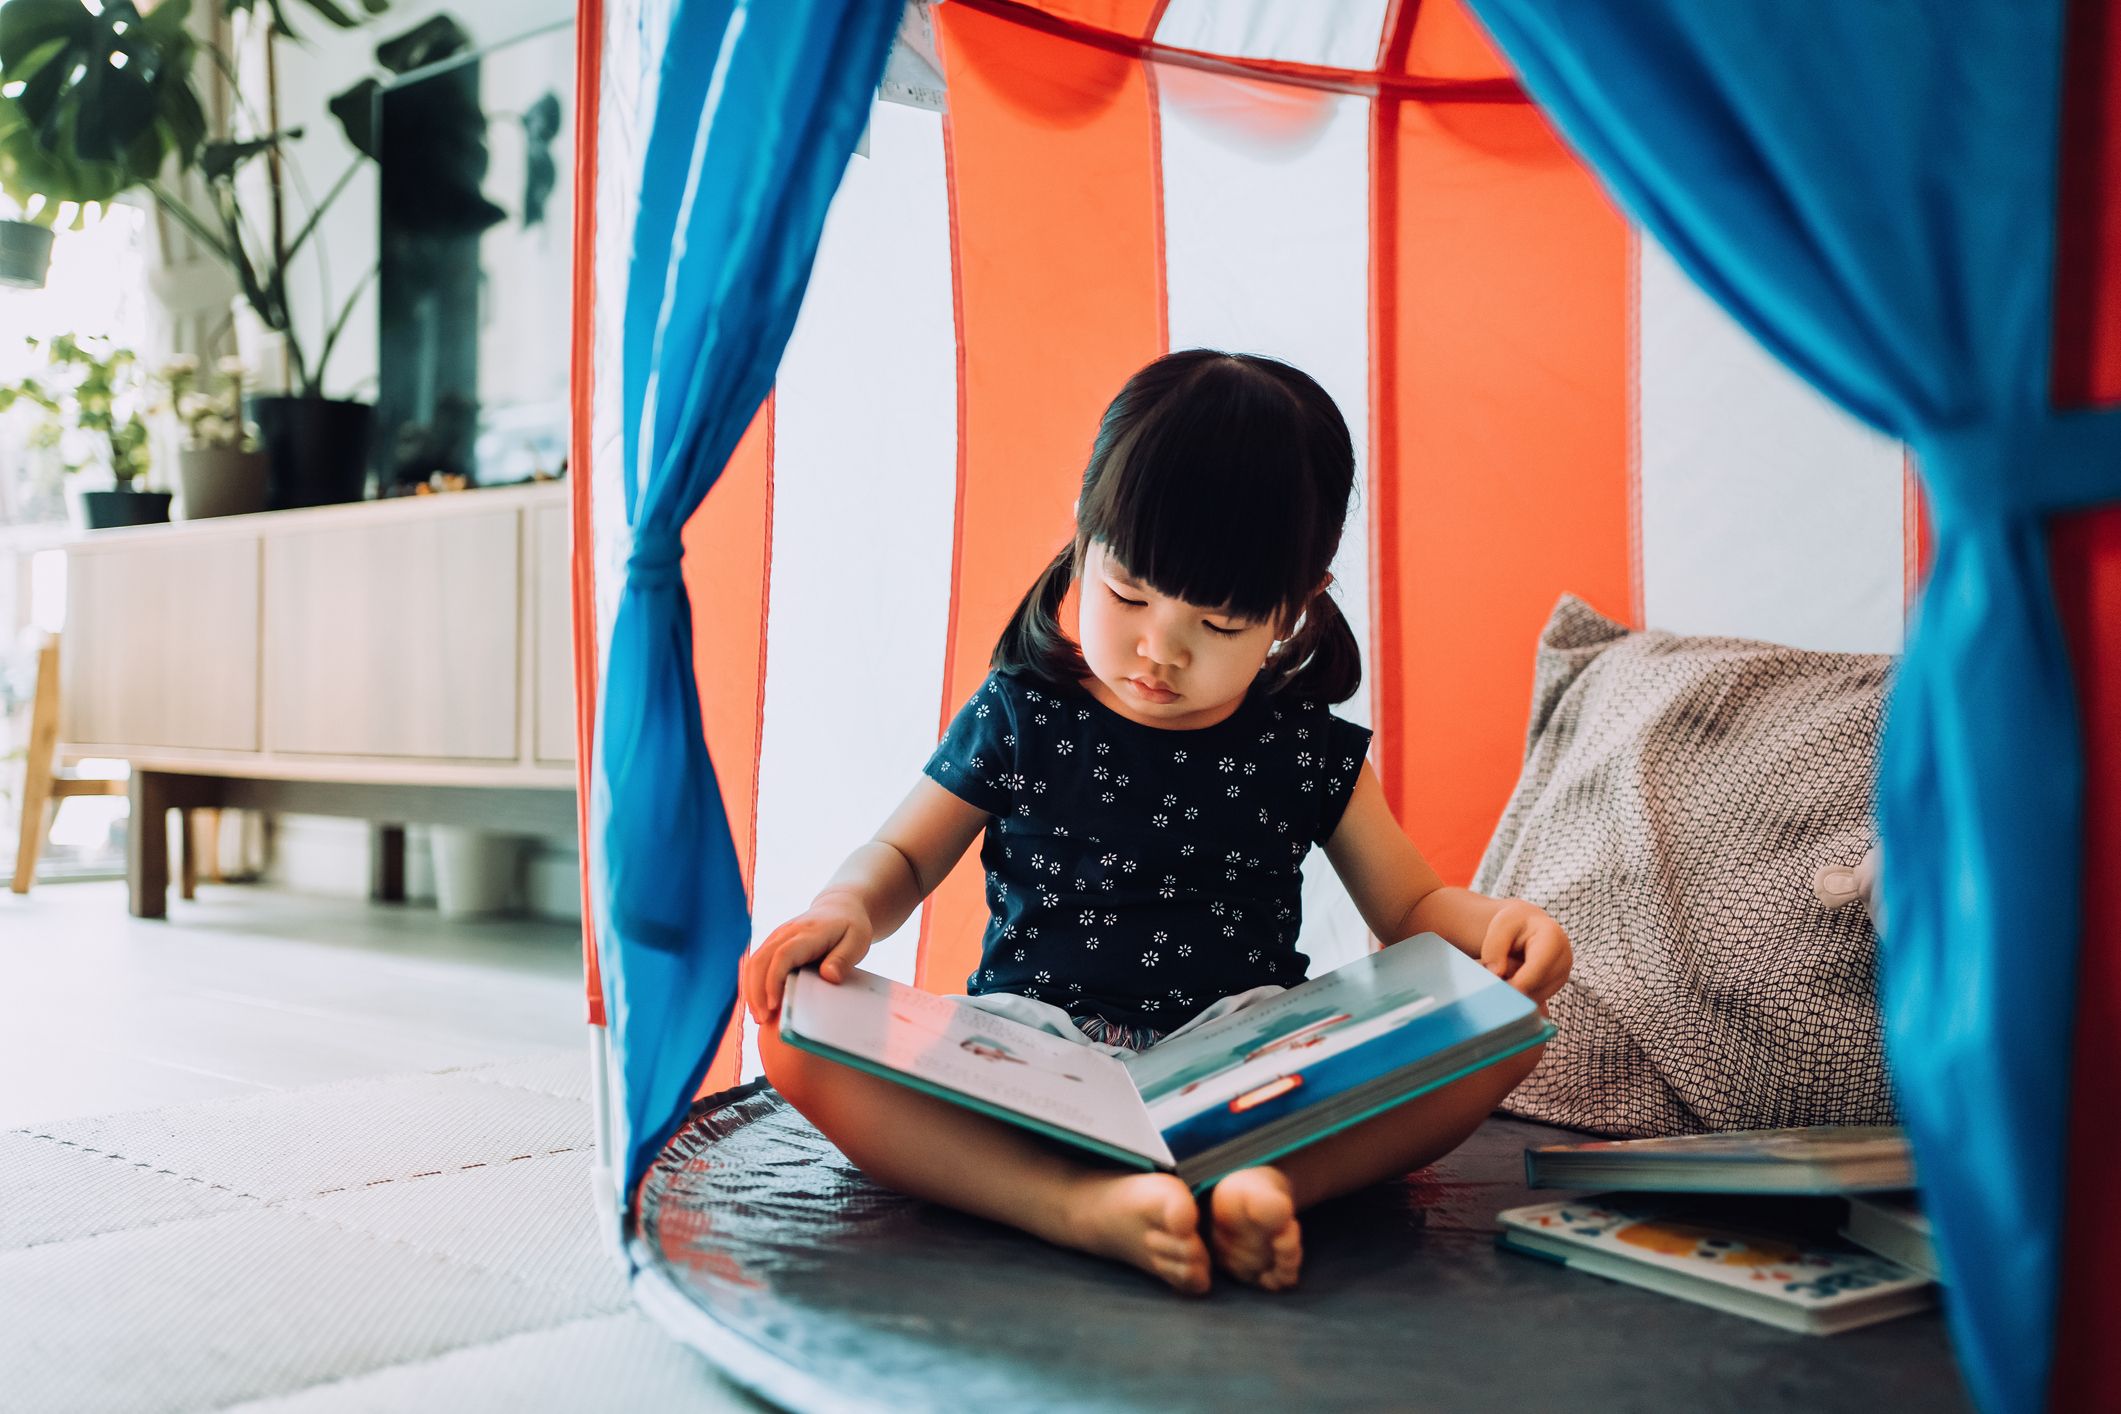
column 333, row 13
column 429, row 42
column 93, row 102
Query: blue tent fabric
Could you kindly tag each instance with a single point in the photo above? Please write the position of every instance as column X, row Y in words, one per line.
column 1871, row 189
column 759, row 107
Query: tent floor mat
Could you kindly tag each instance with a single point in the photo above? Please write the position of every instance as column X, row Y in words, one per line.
column 817, row 1289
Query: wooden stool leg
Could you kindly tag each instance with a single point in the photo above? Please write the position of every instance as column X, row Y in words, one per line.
column 188, row 876
column 210, row 820
column 37, row 778
column 34, row 825
column 147, row 846
column 387, row 864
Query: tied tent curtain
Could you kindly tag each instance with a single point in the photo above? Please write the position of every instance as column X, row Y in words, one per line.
column 1872, row 190
column 758, row 107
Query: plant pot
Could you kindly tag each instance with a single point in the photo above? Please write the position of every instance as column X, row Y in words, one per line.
column 222, row 481
column 25, row 254
column 476, row 874
column 107, row 510
column 318, row 448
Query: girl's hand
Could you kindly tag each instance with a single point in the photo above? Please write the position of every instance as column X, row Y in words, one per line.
column 1527, row 949
column 836, row 929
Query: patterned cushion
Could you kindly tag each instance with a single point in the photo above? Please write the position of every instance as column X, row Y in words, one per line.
column 1679, row 796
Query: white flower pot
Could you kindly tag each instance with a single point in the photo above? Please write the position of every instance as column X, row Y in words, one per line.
column 477, row 874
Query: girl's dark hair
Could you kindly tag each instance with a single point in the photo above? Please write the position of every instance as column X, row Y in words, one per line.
column 1221, row 479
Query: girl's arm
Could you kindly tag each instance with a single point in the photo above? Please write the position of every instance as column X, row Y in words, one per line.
column 874, row 891
column 1399, row 895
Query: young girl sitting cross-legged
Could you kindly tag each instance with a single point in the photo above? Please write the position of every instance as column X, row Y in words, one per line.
column 1148, row 788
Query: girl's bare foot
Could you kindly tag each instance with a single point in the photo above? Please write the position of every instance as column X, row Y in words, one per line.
column 1256, row 1235
column 1147, row 1220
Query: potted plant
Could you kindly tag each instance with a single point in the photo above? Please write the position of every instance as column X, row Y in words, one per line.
column 25, row 253
column 97, row 99
column 128, row 106
column 220, row 471
column 93, row 400
column 318, row 445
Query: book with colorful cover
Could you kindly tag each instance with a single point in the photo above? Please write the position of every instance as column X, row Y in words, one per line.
column 1894, row 1226
column 1731, row 1256
column 1827, row 1158
column 1240, row 1090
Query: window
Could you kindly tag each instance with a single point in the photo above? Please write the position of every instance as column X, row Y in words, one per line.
column 98, row 285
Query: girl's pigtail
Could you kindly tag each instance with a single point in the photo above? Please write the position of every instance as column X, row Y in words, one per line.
column 1323, row 661
column 1033, row 643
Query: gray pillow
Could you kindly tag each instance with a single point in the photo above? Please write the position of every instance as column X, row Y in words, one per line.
column 1679, row 797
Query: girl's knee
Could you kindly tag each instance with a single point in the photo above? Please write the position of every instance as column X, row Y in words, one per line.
column 788, row 1069
column 1513, row 1070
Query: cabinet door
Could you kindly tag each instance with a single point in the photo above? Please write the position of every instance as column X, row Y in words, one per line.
column 395, row 640
column 161, row 645
column 553, row 635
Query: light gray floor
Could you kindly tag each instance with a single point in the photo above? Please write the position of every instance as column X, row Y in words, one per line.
column 305, row 1154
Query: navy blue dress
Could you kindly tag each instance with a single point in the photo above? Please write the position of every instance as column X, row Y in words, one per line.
column 1138, row 873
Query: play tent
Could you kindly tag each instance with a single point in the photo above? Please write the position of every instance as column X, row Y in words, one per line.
column 1738, row 320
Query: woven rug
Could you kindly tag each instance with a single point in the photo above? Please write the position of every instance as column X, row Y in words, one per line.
column 406, row 1242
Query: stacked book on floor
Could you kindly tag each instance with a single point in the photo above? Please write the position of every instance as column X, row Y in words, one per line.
column 1813, row 1230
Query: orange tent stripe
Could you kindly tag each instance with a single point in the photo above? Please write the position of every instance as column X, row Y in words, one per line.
column 1385, row 610
column 1914, row 534
column 1442, row 40
column 581, row 381
column 1638, row 609
column 1051, row 159
column 1493, row 250
column 728, row 571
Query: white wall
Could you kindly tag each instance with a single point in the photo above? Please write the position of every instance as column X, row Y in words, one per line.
column 309, row 74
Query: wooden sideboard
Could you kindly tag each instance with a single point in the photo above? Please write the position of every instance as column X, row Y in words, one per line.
column 403, row 661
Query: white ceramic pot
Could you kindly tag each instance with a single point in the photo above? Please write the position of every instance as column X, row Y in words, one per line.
column 477, row 874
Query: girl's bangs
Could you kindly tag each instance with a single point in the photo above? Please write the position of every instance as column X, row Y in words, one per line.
column 1200, row 504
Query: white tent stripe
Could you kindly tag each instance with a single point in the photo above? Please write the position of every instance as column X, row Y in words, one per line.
column 1767, row 512
column 1339, row 34
column 865, row 480
column 631, row 56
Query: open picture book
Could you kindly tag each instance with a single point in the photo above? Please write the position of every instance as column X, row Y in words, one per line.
column 1772, row 1259
column 1238, row 1091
